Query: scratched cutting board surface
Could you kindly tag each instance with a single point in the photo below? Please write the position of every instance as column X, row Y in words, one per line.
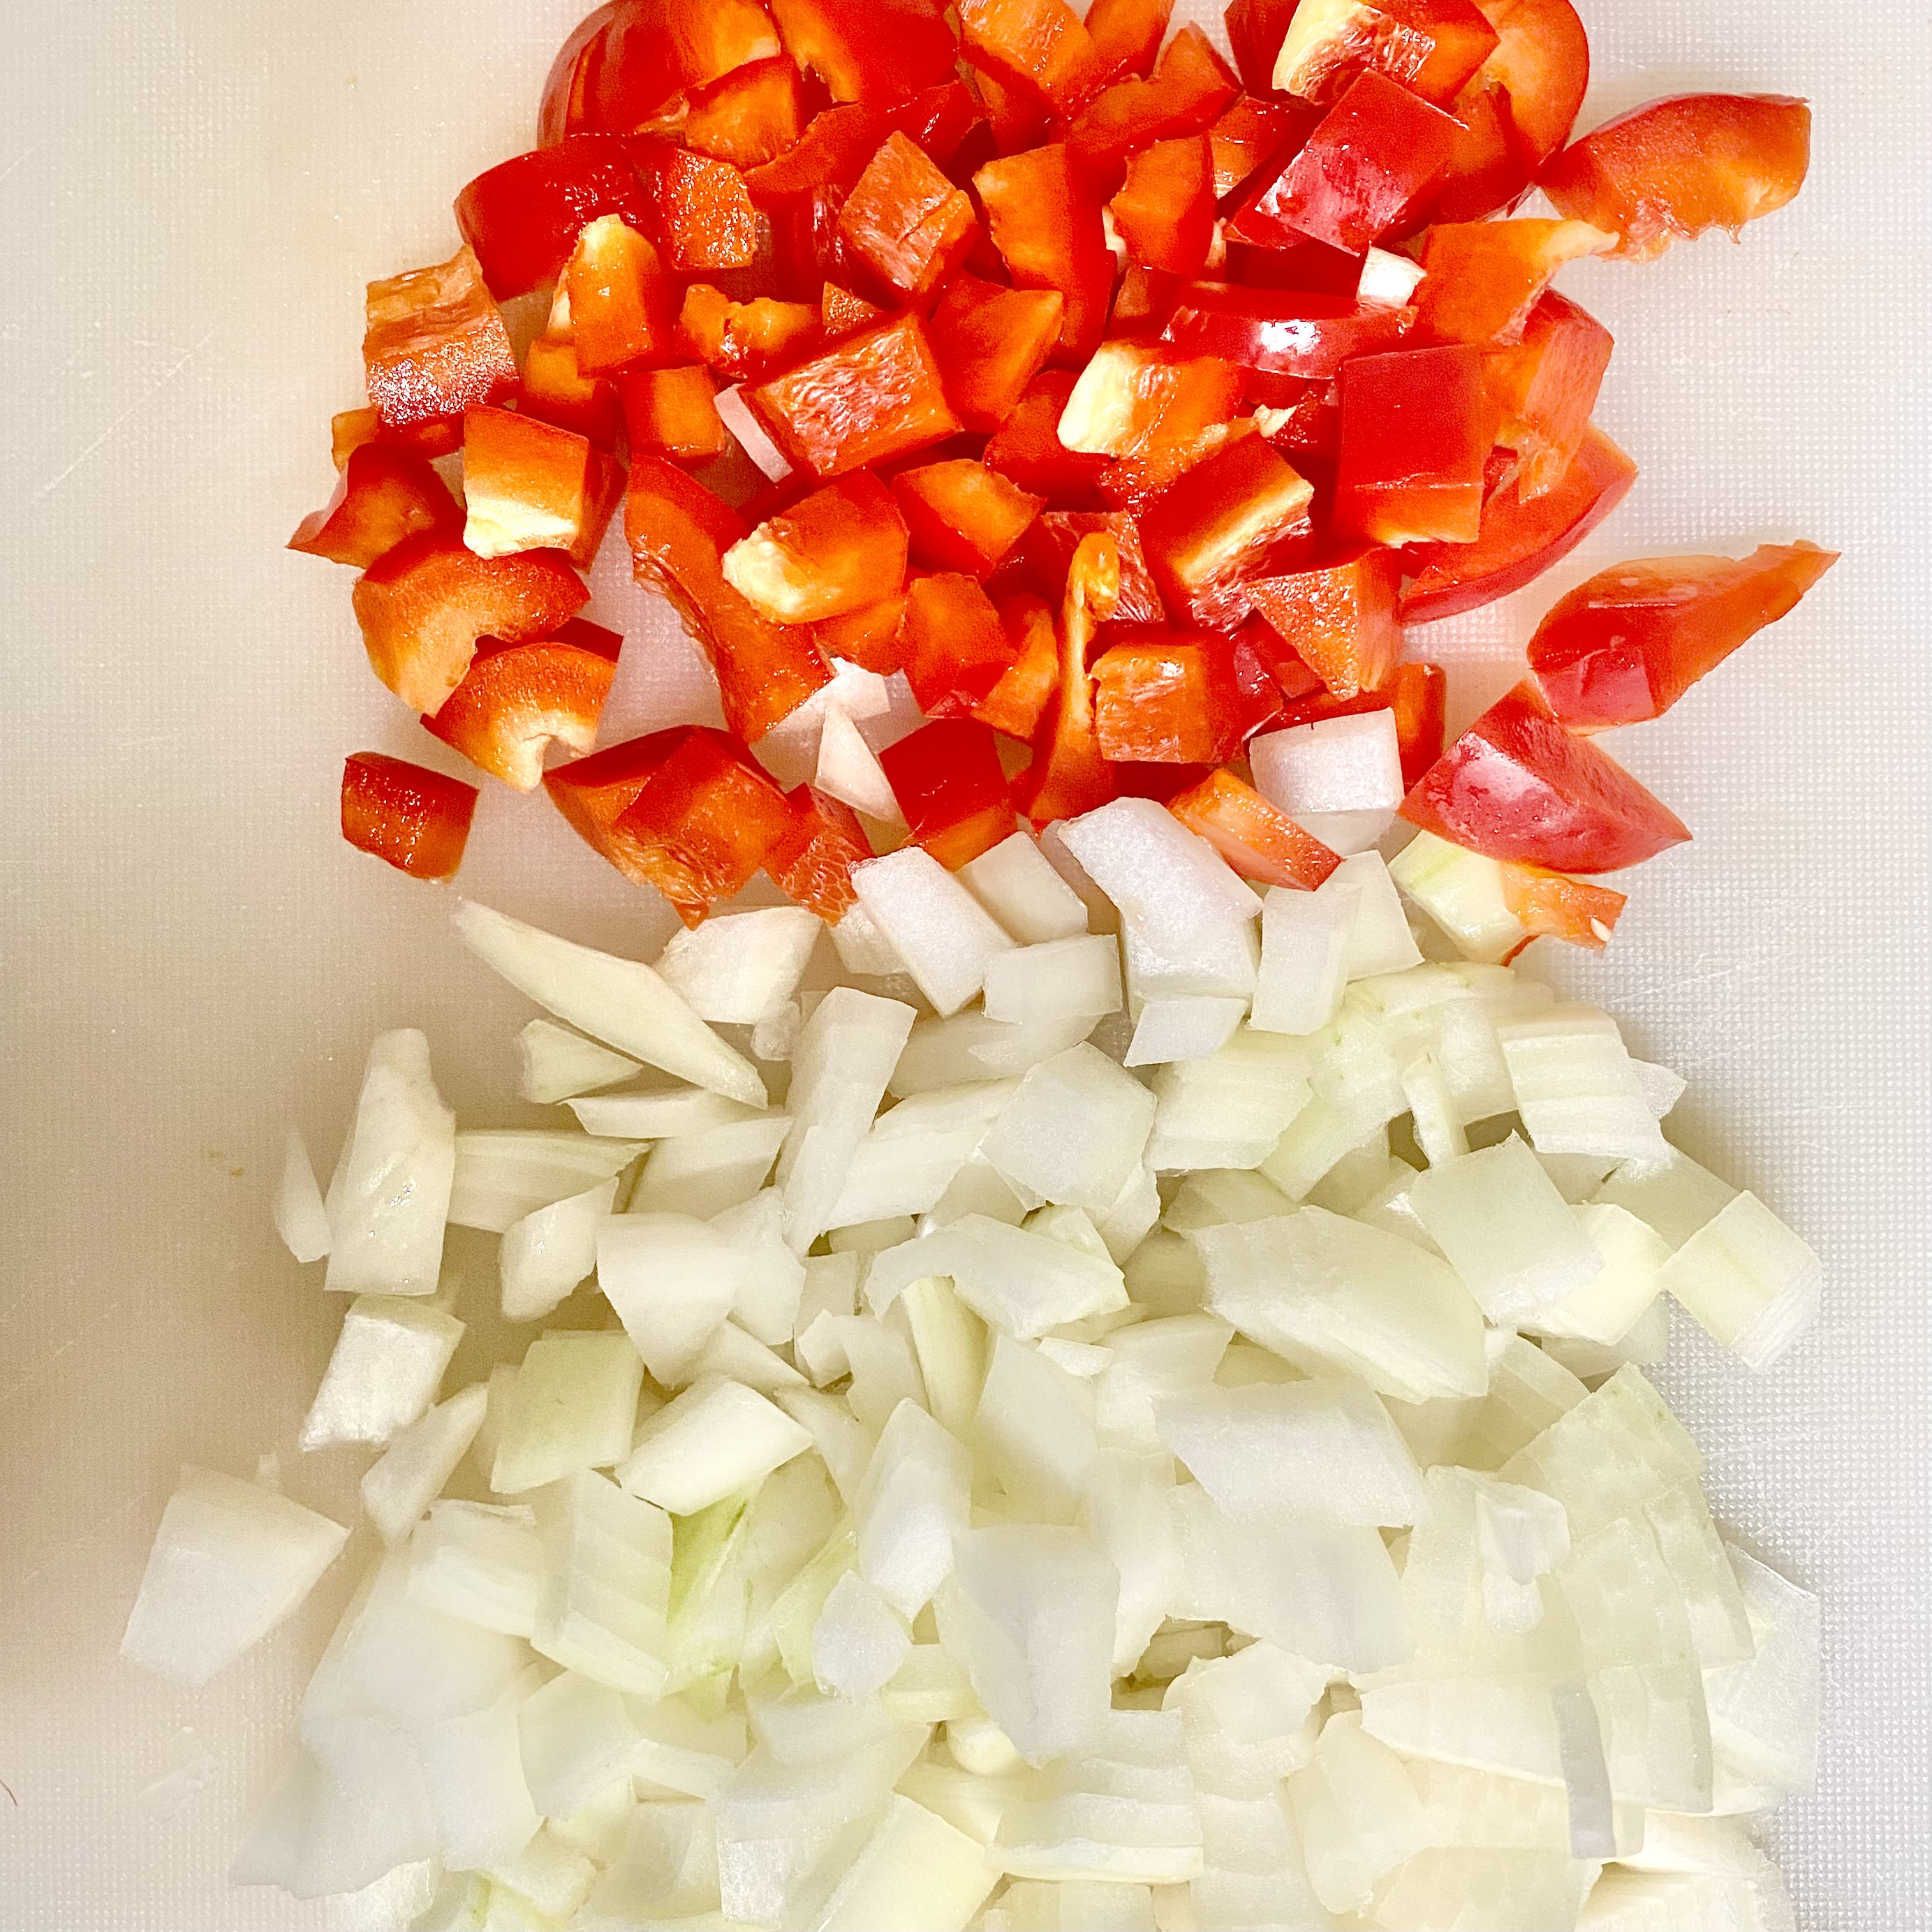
column 192, row 193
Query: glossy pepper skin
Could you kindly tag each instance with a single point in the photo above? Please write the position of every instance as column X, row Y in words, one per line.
column 1165, row 211
column 593, row 793
column 1626, row 645
column 1283, row 332
column 383, row 495
column 1517, row 785
column 748, row 118
column 963, row 516
column 704, row 822
column 907, row 223
column 1127, row 34
column 1163, row 698
column 529, row 485
column 1552, row 906
column 1016, row 704
column 434, row 343
column 411, row 817
column 954, row 648
column 650, row 52
column 1543, row 388
column 1416, row 435
column 1340, row 617
column 1190, row 88
column 813, row 858
column 623, row 300
column 514, row 702
column 832, row 553
column 673, row 412
column 990, row 343
column 1027, row 448
column 745, row 341
column 1518, row 538
column 1068, row 775
column 1431, row 47
column 1046, row 223
column 1046, row 554
column 1255, row 837
column 880, row 51
column 523, row 217
column 1667, row 172
column 947, row 779
column 704, row 213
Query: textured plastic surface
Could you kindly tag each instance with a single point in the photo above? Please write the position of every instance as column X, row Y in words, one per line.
column 192, row 193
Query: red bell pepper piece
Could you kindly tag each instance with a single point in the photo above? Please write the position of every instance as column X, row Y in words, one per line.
column 1256, row 31
column 1217, row 525
column 529, row 485
column 1190, row 90
column 423, row 606
column 679, row 533
column 674, row 412
column 1068, row 775
column 1544, row 387
column 1431, row 47
column 1255, row 837
column 651, row 51
column 435, row 344
column 1416, row 431
column 704, row 823
column 413, row 818
column 813, row 858
column 555, row 390
column 704, row 213
column 907, row 223
column 1256, row 129
column 869, row 637
column 990, row 343
column 566, row 107
column 1017, row 704
column 623, row 301
column 1047, row 554
column 1138, row 482
column 1519, row 539
column 937, row 121
column 963, row 516
column 1164, row 212
column 1127, row 35
column 1028, row 447
column 383, row 495
column 1667, row 172
column 864, row 400
column 1483, row 279
column 750, row 117
column 947, row 779
column 593, row 793
column 1133, row 396
column 523, row 217
column 1626, row 645
column 1283, row 332
column 1552, row 906
column 834, row 552
column 352, row 429
column 1046, row 223
column 1517, row 785
column 801, row 193
column 1160, row 698
column 1039, row 47
column 1016, row 118
column 513, row 703
column 1417, row 693
column 843, row 313
column 954, row 648
column 745, row 340
column 1338, row 616
column 1374, row 155
column 877, row 51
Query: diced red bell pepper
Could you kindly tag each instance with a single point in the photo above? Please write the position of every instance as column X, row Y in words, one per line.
column 1047, row 554
column 523, row 217
column 1375, row 154
column 1137, row 482
column 1551, row 905
column 990, row 343
column 623, row 301
column 1308, row 268
column 1162, row 698
column 704, row 213
column 555, row 390
column 704, row 823
column 529, row 485
column 593, row 793
column 1017, row 704
column 1483, row 279
column 813, row 860
column 1431, row 47
column 947, row 779
column 423, row 605
column 1046, row 224
column 679, row 533
column 1340, row 617
column 1517, row 785
column 877, row 51
column 1626, row 645
column 1256, row 31
column 1417, row 693
column 869, row 637
column 674, row 412
column 745, row 340
column 1189, row 92
column 653, row 50
column 750, row 117
column 567, row 106
column 1254, row 131
column 1068, row 775
column 1268, row 677
column 514, row 703
column 383, row 495
column 1667, row 172
column 1306, row 428
column 963, row 516
column 1017, row 119
column 1217, row 525
column 906, row 222
column 864, row 400
column 1027, row 448
column 1134, row 396
column 1544, row 387
column 415, row 819
column 1164, row 212
column 435, row 344
column 1143, row 299
column 1416, row 431
column 1127, row 35
column 832, row 553
column 352, row 429
column 1519, row 540
column 955, row 649
column 843, row 313
column 1283, row 332
column 1038, row 47
column 1255, row 837
column 801, row 193
column 937, row 121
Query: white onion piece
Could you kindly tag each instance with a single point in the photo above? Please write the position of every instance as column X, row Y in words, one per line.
column 703, row 1174
column 945, row 937
column 1034, row 1431
column 1229, row 1109
column 572, row 1407
column 670, row 1113
column 480, row 1563
column 736, row 414
column 863, row 949
column 546, row 1876
column 740, row 966
column 1379, row 939
column 1764, row 1710
column 1747, row 1281
column 1502, row 1891
column 715, row 1438
column 410, row 1474
column 300, row 1217
column 1675, row 1196
column 1019, row 1281
column 555, row 1064
column 504, row 1173
column 1343, row 774
column 387, row 1363
column 544, row 1256
column 473, row 1766
column 1186, row 1027
column 849, row 770
column 950, row 1341
column 1305, row 940
column 607, row 1586
column 1663, row 1087
column 1576, row 1088
column 1610, row 1306
column 576, row 1735
column 969, row 1047
column 670, row 1278
column 1357, row 1813
column 913, row 1500
column 230, row 1562
column 767, row 1278
column 1018, row 885
column 1462, row 891
column 1045, row 983
column 1073, row 1131
column 908, row 1158
column 916, row 1870
column 858, row 1642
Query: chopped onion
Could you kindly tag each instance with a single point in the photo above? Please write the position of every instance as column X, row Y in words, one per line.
column 1747, row 1280
column 715, row 1438
column 1018, row 884
column 705, row 1174
column 1073, row 1132
column 946, row 938
column 1306, row 939
column 572, row 1407
column 300, row 1217
column 387, row 1364
column 544, row 1256
column 736, row 414
column 741, row 966
column 502, row 1174
column 908, row 1159
column 411, row 1473
column 1387, row 280
column 554, row 1063
column 1055, row 980
column 1339, row 779
column 1188, row 1026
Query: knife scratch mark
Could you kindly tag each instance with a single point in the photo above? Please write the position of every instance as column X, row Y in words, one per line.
column 133, row 409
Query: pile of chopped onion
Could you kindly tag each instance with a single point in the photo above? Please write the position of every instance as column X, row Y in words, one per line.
column 1135, row 1419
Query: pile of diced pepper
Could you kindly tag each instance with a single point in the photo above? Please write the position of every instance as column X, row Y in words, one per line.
column 1129, row 403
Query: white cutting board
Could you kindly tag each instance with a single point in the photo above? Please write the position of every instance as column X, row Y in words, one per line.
column 192, row 193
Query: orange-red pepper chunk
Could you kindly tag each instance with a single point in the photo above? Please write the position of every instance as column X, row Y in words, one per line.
column 832, row 553
column 1340, row 617
column 880, row 52
column 1027, row 448
column 1216, row 525
column 750, row 117
column 414, row 819
column 947, row 779
column 383, row 495
column 1416, row 431
column 1040, row 47
column 954, row 648
column 1483, row 278
column 514, row 702
column 523, row 217
column 423, row 606
column 1543, row 389
column 350, row 430
column 1190, row 89
column 1256, row 836
column 1046, row 554
column 1256, row 129
column 1127, row 35
column 1016, row 704
column 555, row 390
column 864, row 400
column 1163, row 699
column 593, row 793
column 1165, row 211
column 843, row 313
column 990, row 343
column 745, row 340
column 962, row 515
column 674, row 412
column 1431, row 47
column 908, row 224
column 812, row 860
column 704, row 213
column 1046, row 223
column 623, row 301
column 435, row 344
column 652, row 52
column 1256, row 31
column 529, row 485
column 1068, row 775
column 704, row 823
column 1551, row 905
column 1134, row 397
column 869, row 637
